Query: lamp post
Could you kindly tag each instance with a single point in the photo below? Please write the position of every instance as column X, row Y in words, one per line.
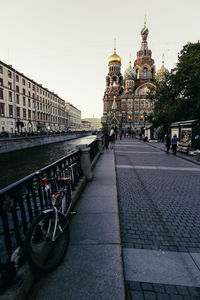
column 129, row 118
column 144, row 118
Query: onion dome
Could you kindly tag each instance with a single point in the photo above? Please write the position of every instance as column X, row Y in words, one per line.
column 162, row 72
column 145, row 30
column 130, row 73
column 114, row 58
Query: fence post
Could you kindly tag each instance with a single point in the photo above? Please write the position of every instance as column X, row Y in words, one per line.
column 85, row 161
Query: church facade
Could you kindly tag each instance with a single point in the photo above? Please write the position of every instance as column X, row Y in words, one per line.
column 125, row 102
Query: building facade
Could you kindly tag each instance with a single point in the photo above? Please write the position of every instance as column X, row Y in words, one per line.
column 95, row 123
column 74, row 117
column 125, row 98
column 26, row 106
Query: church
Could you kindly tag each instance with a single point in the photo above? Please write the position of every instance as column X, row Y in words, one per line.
column 125, row 98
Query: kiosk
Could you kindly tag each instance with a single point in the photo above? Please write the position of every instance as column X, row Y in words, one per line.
column 188, row 133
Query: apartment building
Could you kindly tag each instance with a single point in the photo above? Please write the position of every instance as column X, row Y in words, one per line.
column 95, row 123
column 26, row 106
column 74, row 117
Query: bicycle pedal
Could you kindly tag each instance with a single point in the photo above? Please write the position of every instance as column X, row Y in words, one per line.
column 73, row 212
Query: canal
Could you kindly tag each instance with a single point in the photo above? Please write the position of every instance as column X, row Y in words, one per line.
column 18, row 164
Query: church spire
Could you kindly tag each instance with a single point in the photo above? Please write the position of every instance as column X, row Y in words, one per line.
column 114, row 105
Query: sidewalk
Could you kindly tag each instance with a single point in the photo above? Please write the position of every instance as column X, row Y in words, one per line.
column 92, row 268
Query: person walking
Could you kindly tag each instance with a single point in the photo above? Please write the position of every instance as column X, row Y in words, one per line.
column 167, row 143
column 111, row 138
column 124, row 133
column 106, row 139
column 174, row 143
column 121, row 133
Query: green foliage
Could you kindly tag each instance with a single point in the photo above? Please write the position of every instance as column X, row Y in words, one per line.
column 177, row 98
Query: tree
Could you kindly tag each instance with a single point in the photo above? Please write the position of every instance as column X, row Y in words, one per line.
column 177, row 98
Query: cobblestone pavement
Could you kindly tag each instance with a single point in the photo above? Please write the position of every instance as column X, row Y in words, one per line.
column 159, row 210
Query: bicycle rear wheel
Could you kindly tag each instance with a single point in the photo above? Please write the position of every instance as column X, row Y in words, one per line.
column 41, row 252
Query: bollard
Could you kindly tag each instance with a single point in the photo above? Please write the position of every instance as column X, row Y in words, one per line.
column 85, row 161
column 100, row 145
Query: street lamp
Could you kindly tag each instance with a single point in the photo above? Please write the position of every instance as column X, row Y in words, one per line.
column 129, row 118
column 144, row 117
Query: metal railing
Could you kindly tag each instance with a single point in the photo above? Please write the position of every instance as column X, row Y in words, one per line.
column 23, row 200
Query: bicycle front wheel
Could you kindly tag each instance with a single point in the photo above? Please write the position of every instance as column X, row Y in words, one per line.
column 46, row 243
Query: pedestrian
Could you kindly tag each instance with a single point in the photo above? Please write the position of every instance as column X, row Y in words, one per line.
column 174, row 143
column 106, row 139
column 124, row 133
column 121, row 133
column 167, row 143
column 111, row 138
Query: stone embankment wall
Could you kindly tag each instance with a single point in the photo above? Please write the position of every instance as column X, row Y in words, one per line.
column 19, row 143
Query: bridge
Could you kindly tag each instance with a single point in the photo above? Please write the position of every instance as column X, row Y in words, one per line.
column 136, row 234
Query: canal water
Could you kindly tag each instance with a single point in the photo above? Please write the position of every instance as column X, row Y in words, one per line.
column 18, row 164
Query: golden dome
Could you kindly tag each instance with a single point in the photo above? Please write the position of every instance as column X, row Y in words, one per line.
column 114, row 58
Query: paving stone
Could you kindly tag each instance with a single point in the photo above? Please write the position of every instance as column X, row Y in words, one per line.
column 137, row 295
column 149, row 296
column 163, row 296
column 159, row 208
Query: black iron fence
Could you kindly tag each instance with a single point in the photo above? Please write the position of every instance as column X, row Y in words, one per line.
column 23, row 200
column 94, row 148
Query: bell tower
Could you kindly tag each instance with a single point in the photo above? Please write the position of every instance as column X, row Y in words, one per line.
column 114, row 83
column 144, row 64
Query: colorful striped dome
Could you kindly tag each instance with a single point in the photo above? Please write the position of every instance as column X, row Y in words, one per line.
column 145, row 30
column 130, row 73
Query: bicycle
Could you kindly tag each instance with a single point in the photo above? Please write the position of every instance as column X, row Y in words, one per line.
column 48, row 237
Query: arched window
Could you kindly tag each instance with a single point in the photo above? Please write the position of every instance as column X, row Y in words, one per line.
column 145, row 73
column 137, row 74
column 114, row 81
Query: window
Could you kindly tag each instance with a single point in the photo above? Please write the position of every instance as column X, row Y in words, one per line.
column 29, row 114
column 1, row 69
column 137, row 74
column 29, row 102
column 10, row 96
column 24, row 101
column 24, row 92
column 10, row 110
column 9, row 85
column 2, row 109
column 17, row 98
column 17, row 78
column 152, row 74
column 1, row 93
column 33, row 87
column 145, row 73
column 23, row 81
column 29, row 93
column 1, row 81
column 9, row 74
column 18, row 112
column 17, row 88
column 29, row 85
column 24, row 113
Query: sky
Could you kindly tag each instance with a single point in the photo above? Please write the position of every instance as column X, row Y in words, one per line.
column 65, row 44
